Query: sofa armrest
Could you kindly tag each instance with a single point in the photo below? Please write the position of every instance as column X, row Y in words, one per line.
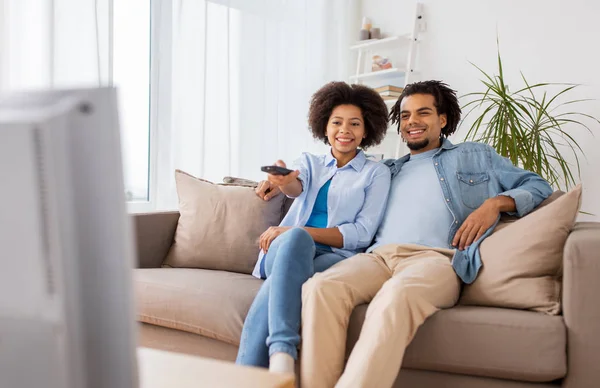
column 154, row 236
column 581, row 307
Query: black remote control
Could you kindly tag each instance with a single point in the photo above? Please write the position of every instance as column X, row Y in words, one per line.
column 276, row 170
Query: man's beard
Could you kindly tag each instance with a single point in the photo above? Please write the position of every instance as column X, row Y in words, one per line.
column 417, row 145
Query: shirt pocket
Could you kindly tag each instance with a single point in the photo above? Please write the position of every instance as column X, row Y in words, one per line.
column 473, row 188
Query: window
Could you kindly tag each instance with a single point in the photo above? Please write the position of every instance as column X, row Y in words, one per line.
column 131, row 75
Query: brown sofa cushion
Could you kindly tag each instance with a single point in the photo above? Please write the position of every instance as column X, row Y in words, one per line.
column 219, row 225
column 210, row 303
column 484, row 341
column 522, row 261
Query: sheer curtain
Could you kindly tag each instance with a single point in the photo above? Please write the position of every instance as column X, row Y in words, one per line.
column 235, row 79
column 67, row 43
column 230, row 82
column 59, row 43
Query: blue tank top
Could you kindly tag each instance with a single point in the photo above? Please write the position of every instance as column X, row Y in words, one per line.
column 318, row 217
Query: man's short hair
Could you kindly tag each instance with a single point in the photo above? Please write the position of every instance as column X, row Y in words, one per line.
column 445, row 102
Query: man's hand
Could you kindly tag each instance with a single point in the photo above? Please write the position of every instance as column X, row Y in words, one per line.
column 269, row 235
column 283, row 180
column 478, row 222
column 266, row 190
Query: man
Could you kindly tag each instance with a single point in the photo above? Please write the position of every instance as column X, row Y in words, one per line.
column 444, row 200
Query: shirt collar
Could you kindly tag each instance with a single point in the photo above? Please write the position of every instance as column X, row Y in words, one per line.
column 356, row 163
column 424, row 155
column 447, row 144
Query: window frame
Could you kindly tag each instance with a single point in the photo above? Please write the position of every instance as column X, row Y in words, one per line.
column 160, row 92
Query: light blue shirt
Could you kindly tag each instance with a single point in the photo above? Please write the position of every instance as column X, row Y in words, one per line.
column 468, row 174
column 355, row 203
column 418, row 213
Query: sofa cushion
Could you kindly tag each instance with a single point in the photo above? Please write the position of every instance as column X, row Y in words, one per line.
column 485, row 341
column 219, row 225
column 210, row 303
column 522, row 261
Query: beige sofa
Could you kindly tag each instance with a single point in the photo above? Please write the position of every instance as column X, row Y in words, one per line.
column 201, row 312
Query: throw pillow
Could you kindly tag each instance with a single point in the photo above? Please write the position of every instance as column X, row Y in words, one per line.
column 522, row 261
column 506, row 219
column 219, row 225
column 231, row 180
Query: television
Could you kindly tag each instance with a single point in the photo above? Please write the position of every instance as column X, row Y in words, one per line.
column 66, row 249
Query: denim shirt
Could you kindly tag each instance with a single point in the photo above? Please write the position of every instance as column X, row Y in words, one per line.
column 355, row 203
column 470, row 173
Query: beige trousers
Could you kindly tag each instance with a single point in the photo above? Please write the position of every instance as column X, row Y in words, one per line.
column 404, row 285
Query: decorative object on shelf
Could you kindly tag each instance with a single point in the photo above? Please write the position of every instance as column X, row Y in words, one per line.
column 375, row 33
column 380, row 63
column 365, row 32
column 526, row 128
column 366, row 23
column 390, row 98
column 389, row 92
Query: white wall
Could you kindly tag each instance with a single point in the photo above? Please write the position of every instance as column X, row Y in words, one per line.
column 548, row 40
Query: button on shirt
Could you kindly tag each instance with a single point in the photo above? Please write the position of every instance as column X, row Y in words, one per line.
column 355, row 203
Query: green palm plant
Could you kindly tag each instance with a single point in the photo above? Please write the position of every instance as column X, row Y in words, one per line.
column 528, row 129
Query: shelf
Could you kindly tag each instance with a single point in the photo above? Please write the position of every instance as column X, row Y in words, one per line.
column 377, row 74
column 378, row 43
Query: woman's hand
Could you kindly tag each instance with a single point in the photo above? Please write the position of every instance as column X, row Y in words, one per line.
column 266, row 190
column 283, row 180
column 269, row 235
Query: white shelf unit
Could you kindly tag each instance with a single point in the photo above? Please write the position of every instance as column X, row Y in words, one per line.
column 379, row 43
column 406, row 44
column 377, row 74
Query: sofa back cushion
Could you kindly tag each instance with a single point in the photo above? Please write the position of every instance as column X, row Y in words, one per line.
column 522, row 260
column 219, row 225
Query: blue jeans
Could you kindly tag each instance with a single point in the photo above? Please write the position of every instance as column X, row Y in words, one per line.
column 273, row 322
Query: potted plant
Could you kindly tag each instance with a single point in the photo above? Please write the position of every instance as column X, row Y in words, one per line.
column 529, row 126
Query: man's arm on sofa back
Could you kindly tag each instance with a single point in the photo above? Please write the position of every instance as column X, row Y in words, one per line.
column 154, row 236
column 581, row 305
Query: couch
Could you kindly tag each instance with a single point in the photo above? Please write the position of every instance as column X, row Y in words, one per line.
column 201, row 312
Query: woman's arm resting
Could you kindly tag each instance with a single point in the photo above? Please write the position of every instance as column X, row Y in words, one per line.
column 327, row 236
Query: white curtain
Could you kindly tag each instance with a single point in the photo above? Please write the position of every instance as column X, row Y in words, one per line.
column 231, row 79
column 59, row 43
column 66, row 44
column 236, row 80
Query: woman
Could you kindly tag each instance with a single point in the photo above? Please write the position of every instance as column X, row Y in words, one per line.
column 339, row 202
